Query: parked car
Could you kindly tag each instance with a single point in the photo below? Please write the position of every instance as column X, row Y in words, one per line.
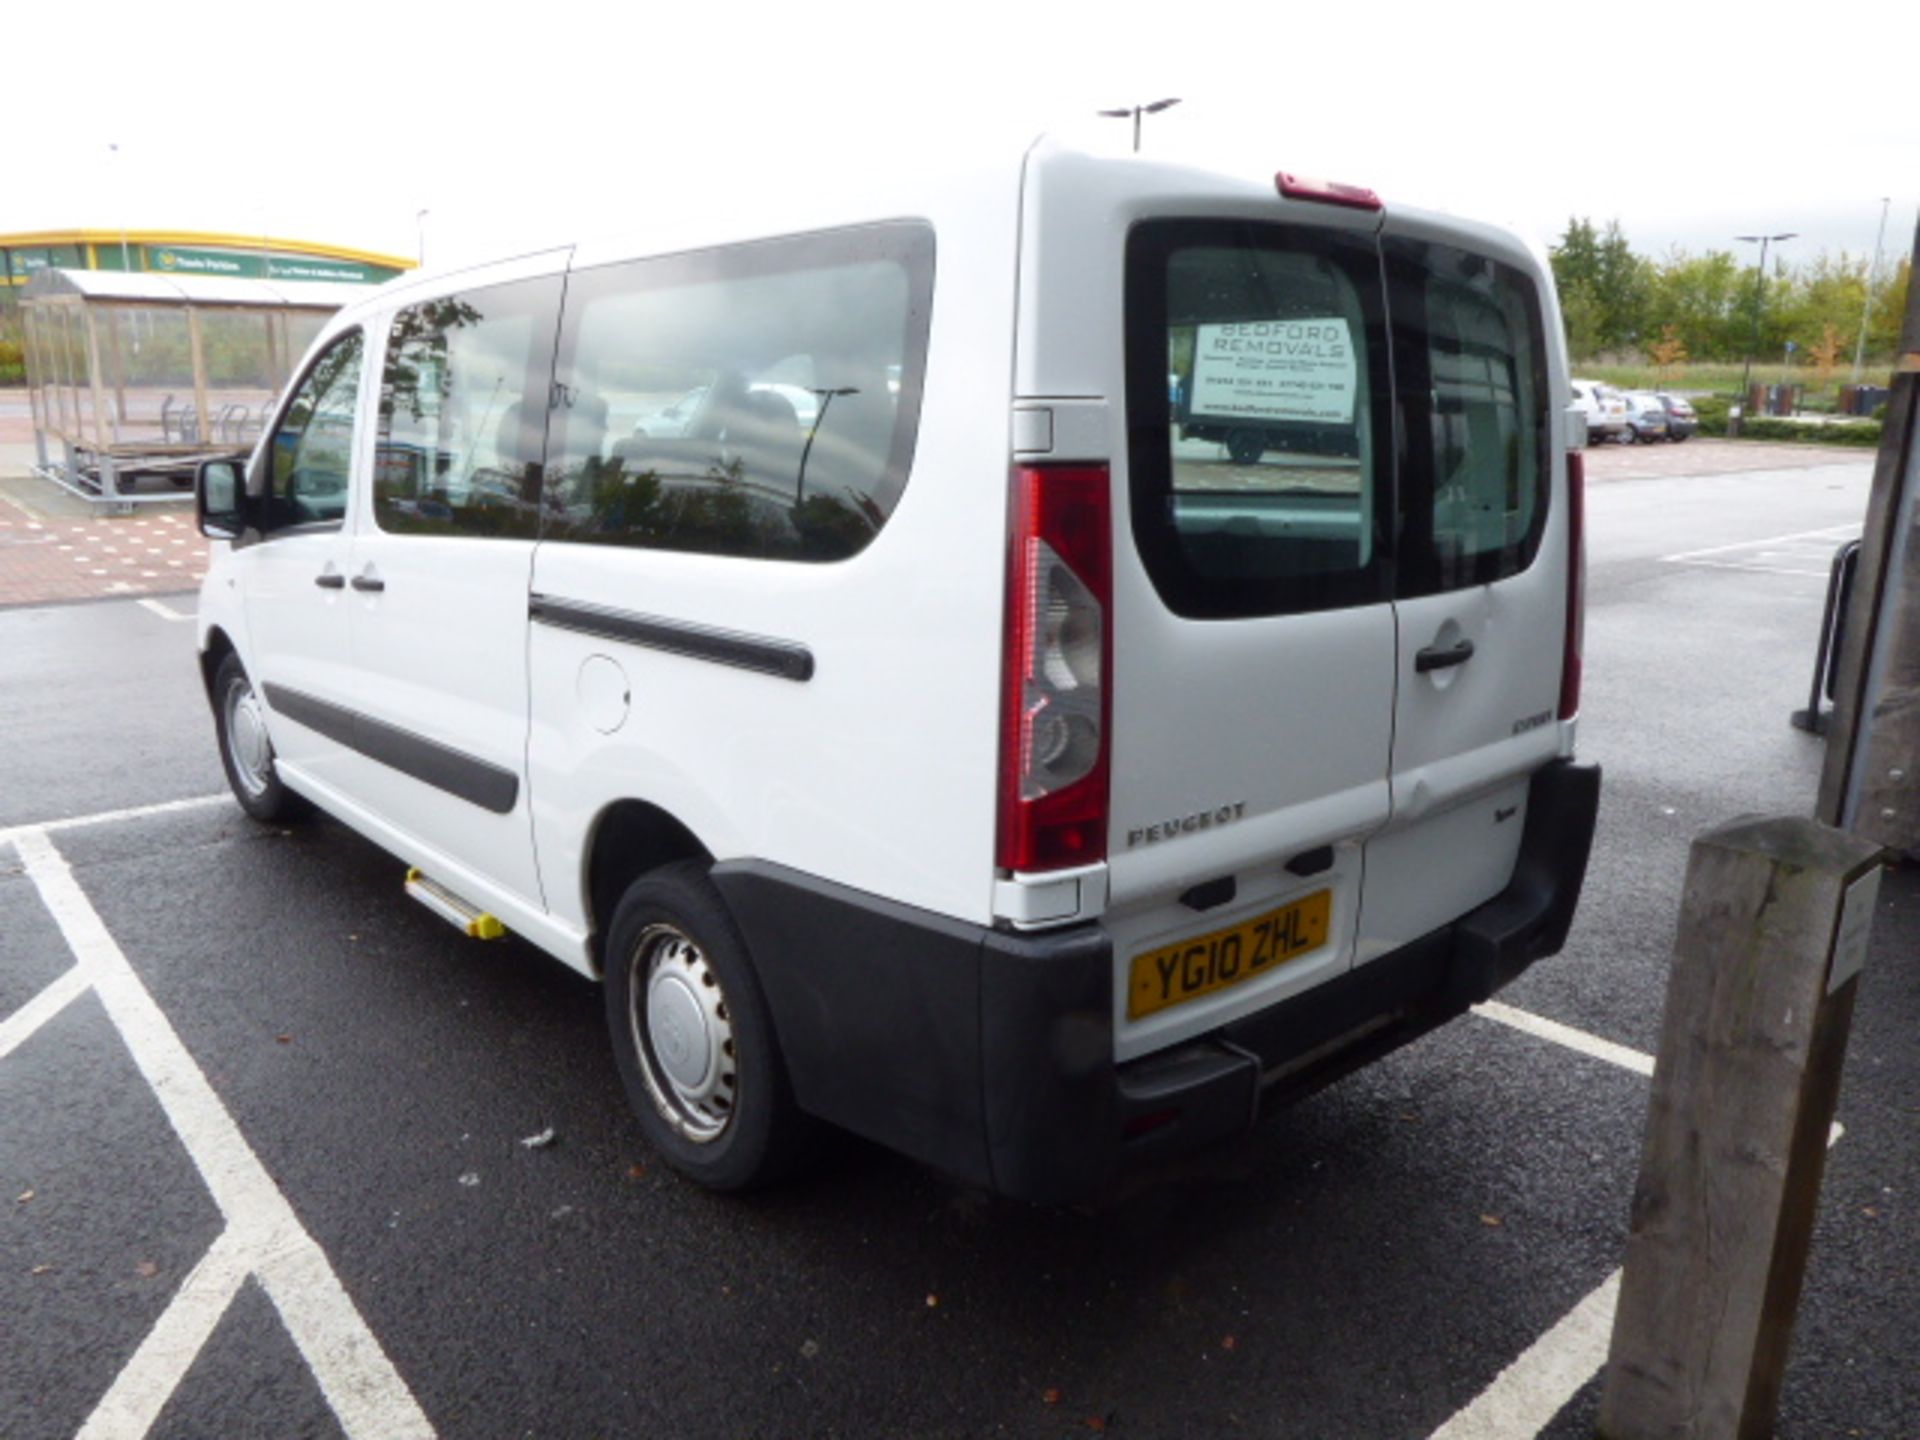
column 1605, row 409
column 1681, row 419
column 977, row 767
column 1646, row 417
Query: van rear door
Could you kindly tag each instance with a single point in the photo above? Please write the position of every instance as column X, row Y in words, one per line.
column 1255, row 644
column 1481, row 576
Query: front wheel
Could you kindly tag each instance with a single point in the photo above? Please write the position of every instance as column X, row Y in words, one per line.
column 693, row 1037
column 246, row 750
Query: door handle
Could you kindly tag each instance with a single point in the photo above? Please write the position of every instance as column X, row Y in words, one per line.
column 1434, row 658
column 369, row 582
column 331, row 580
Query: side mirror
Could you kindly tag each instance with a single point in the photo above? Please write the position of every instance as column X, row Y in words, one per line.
column 220, row 499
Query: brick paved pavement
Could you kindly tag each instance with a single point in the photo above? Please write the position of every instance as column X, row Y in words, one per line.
column 46, row 558
column 56, row 548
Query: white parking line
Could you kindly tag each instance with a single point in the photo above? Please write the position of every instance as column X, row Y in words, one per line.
column 263, row 1237
column 1809, row 552
column 1538, row 1025
column 1524, row 1397
column 162, row 609
column 1832, row 532
column 8, row 835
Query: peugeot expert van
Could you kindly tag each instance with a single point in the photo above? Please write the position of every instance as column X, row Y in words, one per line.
column 1028, row 671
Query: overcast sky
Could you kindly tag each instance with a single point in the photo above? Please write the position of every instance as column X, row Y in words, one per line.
column 512, row 124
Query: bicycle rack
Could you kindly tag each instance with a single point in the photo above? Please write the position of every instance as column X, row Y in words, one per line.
column 1833, row 627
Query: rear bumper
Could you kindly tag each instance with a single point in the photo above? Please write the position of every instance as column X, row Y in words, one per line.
column 990, row 1054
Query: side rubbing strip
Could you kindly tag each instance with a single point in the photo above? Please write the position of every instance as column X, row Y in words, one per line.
column 475, row 781
column 783, row 658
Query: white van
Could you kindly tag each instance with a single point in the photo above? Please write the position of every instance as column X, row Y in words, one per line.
column 838, row 637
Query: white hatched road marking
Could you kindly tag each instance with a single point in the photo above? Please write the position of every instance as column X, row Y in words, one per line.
column 263, row 1238
column 42, row 1008
column 1807, row 552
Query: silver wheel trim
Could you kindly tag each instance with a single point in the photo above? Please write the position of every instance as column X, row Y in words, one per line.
column 247, row 743
column 682, row 1032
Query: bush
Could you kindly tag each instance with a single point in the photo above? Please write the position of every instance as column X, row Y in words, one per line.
column 13, row 363
column 1712, row 410
column 1766, row 427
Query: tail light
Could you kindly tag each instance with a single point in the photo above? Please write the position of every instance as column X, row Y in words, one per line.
column 1576, row 584
column 1057, row 700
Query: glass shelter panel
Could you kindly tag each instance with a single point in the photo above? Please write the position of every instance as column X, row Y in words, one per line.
column 246, row 366
column 147, row 356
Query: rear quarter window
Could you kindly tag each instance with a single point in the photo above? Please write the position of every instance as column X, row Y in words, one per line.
column 759, row 401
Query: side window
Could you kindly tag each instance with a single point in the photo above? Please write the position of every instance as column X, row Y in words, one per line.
column 758, row 401
column 463, row 412
column 310, row 457
column 1259, row 440
column 1472, row 373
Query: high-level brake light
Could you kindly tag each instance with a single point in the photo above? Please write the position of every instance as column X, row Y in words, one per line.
column 1057, row 692
column 1327, row 192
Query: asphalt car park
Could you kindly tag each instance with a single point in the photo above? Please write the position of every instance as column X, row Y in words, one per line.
column 283, row 1154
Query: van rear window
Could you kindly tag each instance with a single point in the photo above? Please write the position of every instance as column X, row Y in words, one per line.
column 1470, row 363
column 1259, row 441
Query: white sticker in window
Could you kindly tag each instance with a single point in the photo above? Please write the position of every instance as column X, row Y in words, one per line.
column 1298, row 370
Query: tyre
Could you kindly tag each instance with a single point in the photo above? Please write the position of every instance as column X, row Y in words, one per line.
column 246, row 751
column 1246, row 446
column 692, row 1035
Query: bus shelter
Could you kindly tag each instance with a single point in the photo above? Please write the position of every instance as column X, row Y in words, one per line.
column 133, row 376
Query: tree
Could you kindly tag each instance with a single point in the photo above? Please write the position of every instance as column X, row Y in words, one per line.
column 1825, row 352
column 1670, row 350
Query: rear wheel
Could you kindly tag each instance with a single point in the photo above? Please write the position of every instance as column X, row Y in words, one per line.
column 1246, row 446
column 693, row 1037
column 246, row 750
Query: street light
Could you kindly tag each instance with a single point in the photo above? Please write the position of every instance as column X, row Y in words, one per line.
column 420, row 233
column 826, row 395
column 1136, row 111
column 113, row 148
column 1759, row 290
column 1873, row 271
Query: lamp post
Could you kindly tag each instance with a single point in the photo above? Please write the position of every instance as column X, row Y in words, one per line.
column 113, row 148
column 1873, row 273
column 1759, row 290
column 420, row 234
column 1136, row 111
column 826, row 396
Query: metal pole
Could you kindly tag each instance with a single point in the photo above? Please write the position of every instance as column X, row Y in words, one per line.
column 1873, row 272
column 1753, row 340
column 1759, row 295
column 126, row 263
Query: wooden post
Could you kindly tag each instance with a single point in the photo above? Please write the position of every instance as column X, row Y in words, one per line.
column 1773, row 932
column 1871, row 780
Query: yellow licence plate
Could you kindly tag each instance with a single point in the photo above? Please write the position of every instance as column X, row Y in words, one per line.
column 1175, row 974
